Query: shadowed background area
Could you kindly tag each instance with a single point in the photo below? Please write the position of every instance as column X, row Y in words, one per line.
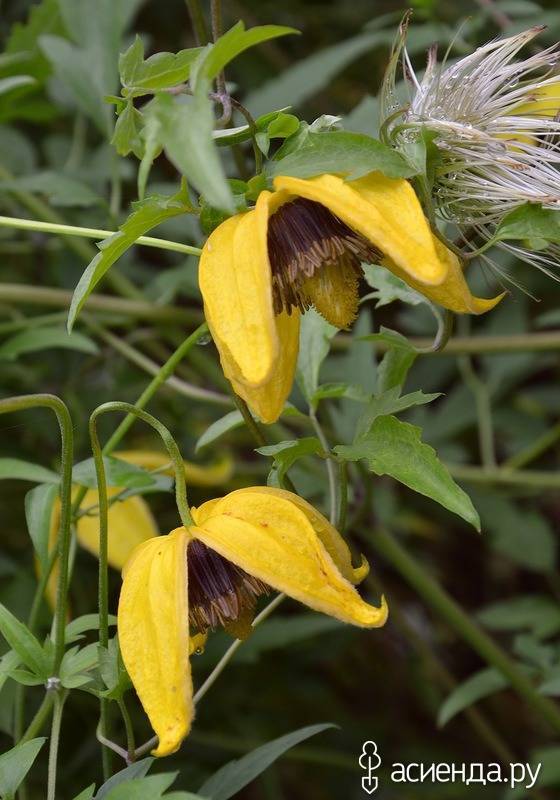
column 404, row 685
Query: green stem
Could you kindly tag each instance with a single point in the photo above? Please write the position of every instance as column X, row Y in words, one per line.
column 33, row 322
column 198, row 22
column 56, row 405
column 84, row 250
column 58, row 298
column 59, row 700
column 534, row 450
column 145, row 363
column 473, row 345
column 250, row 422
column 130, row 742
column 343, row 507
column 329, row 464
column 174, row 455
column 523, row 479
column 449, row 610
column 36, row 724
column 483, row 410
column 92, row 233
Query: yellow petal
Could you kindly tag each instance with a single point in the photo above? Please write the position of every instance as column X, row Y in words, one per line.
column 384, row 210
column 546, row 104
column 214, row 474
column 454, row 292
column 236, row 285
column 332, row 541
column 268, row 400
column 130, row 522
column 154, row 635
column 272, row 539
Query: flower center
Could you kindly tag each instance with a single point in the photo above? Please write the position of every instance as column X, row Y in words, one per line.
column 220, row 593
column 315, row 260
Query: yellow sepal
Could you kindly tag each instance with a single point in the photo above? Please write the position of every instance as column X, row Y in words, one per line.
column 154, row 635
column 214, row 474
column 272, row 539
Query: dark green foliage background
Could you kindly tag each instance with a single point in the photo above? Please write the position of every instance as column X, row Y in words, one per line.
column 386, row 685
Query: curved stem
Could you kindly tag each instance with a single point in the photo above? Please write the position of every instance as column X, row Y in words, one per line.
column 56, row 405
column 330, row 466
column 172, row 449
column 93, row 233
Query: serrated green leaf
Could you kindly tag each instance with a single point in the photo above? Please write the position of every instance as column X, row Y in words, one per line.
column 333, row 390
column 481, row 684
column 395, row 364
column 15, row 764
column 233, row 43
column 34, row 340
column 16, row 468
column 388, row 287
column 390, row 402
column 395, row 448
column 285, row 454
column 127, row 136
column 235, row 775
column 160, row 71
column 150, row 213
column 351, row 154
column 20, row 639
column 39, row 503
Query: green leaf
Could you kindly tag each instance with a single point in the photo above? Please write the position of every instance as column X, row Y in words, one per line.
column 127, row 136
column 117, row 473
column 159, row 71
column 395, row 364
column 24, row 643
column 285, row 454
column 151, row 212
column 150, row 788
column 15, row 764
column 314, row 345
column 87, row 622
column 187, row 124
column 395, row 448
column 352, row 154
column 481, row 684
column 235, row 775
column 35, row 339
column 538, row 613
column 137, row 770
column 113, row 671
column 388, row 287
column 390, row 402
column 39, row 503
column 233, row 43
column 16, row 469
column 530, row 221
column 15, row 82
column 217, row 429
column 87, row 793
column 333, row 390
column 76, row 664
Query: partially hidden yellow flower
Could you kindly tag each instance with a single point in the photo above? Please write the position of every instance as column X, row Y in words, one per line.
column 130, row 520
column 208, row 575
column 302, row 246
column 544, row 104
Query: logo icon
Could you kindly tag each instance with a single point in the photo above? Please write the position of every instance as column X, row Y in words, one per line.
column 369, row 760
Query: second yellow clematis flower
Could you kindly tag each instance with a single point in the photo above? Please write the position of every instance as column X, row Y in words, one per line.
column 301, row 246
column 194, row 579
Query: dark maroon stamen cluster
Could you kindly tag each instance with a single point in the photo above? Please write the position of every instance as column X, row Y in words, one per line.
column 304, row 236
column 220, row 592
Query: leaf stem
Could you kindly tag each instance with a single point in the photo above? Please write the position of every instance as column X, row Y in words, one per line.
column 330, row 466
column 92, row 233
column 59, row 700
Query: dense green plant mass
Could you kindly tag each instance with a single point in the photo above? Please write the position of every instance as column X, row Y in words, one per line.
column 241, row 258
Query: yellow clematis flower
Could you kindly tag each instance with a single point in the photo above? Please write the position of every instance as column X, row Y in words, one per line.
column 215, row 474
column 544, row 104
column 302, row 246
column 194, row 579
